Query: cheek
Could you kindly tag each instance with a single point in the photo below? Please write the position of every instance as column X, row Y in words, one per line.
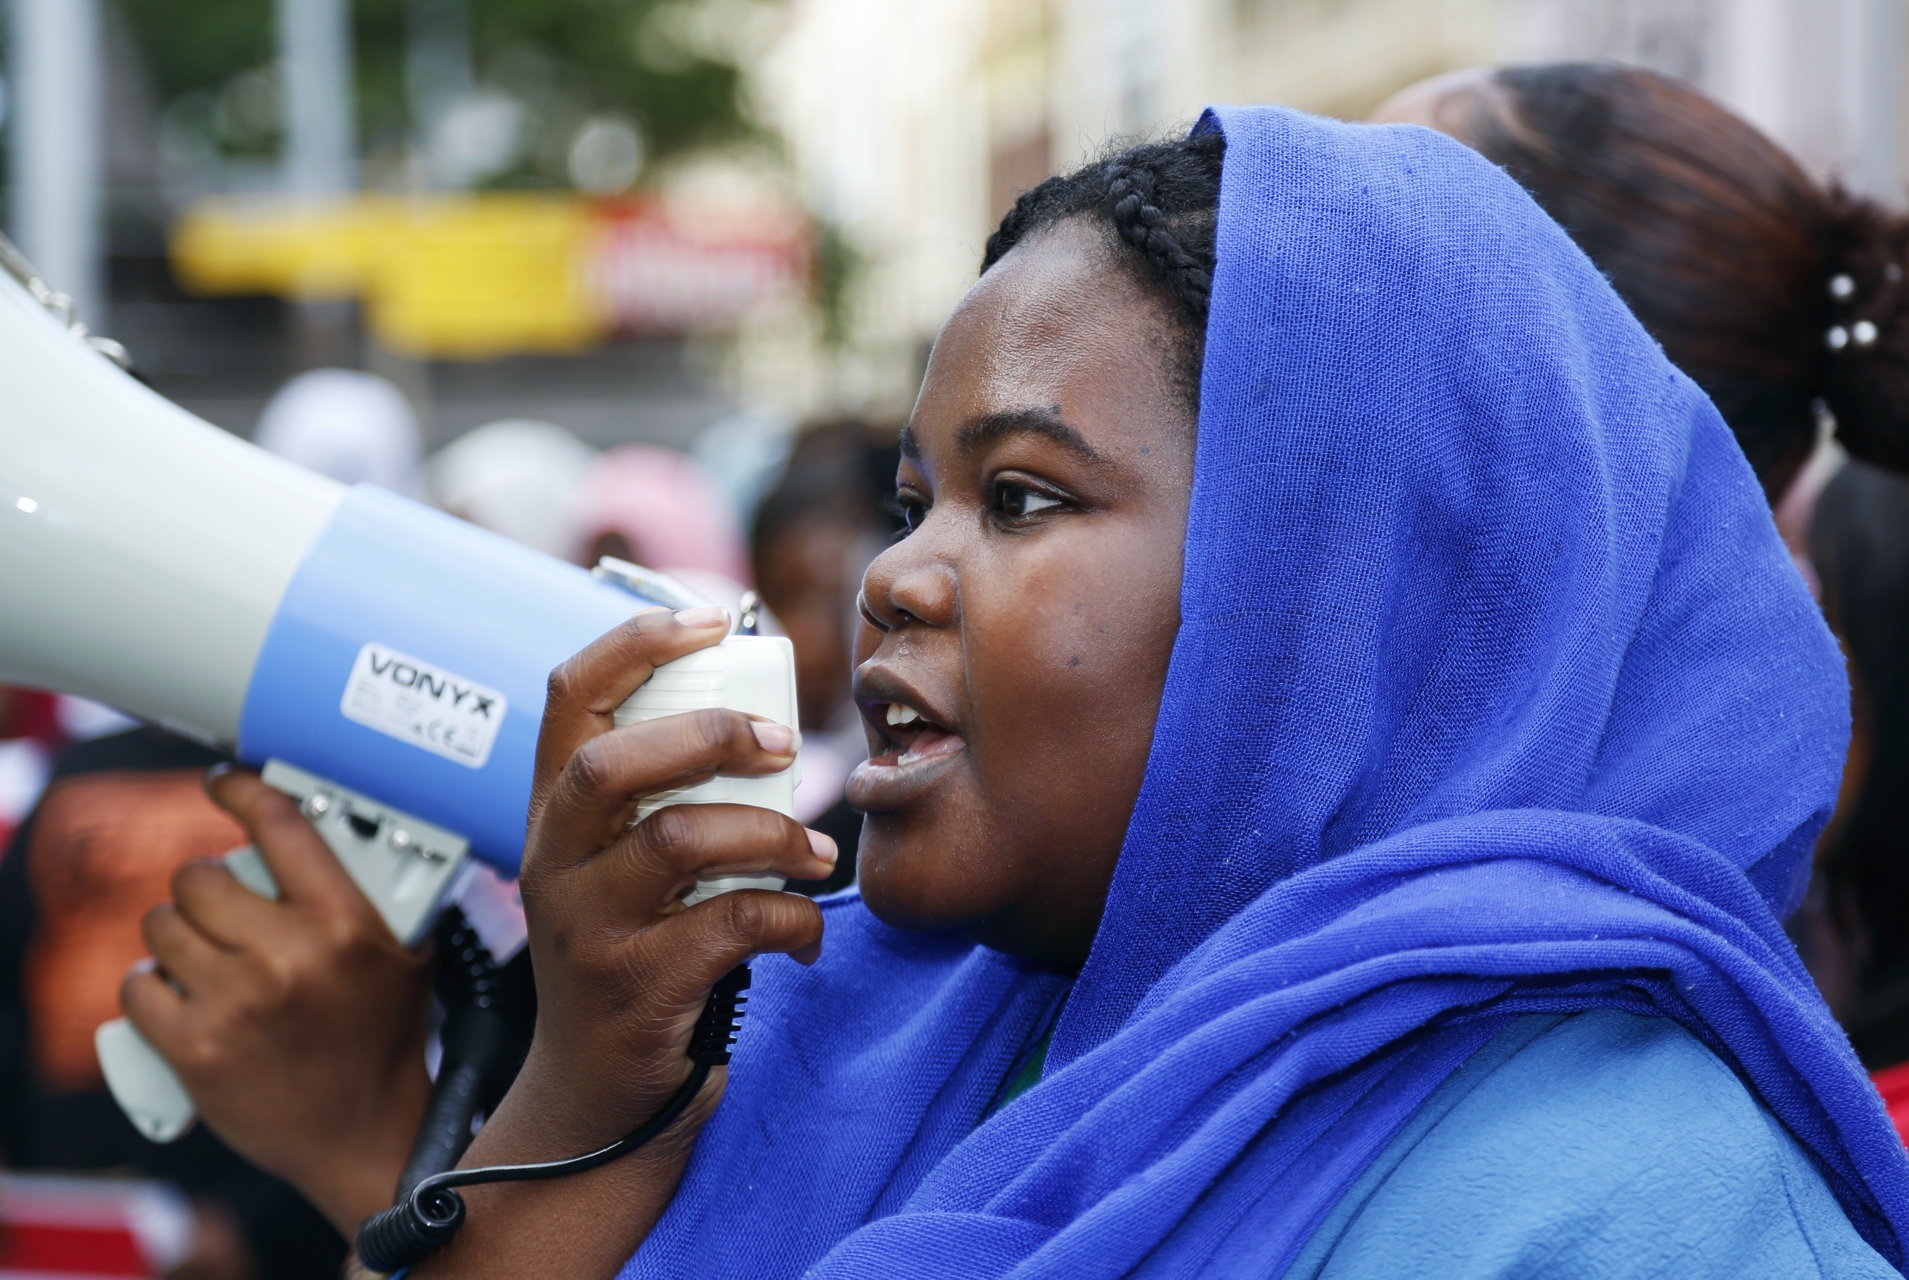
column 1067, row 647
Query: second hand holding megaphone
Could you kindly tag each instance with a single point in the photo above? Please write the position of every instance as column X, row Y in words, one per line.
column 407, row 866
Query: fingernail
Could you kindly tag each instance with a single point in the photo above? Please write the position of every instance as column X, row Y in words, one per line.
column 708, row 615
column 217, row 771
column 776, row 739
column 145, row 964
column 823, row 846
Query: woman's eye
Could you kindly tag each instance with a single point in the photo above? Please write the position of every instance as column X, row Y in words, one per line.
column 910, row 510
column 1017, row 501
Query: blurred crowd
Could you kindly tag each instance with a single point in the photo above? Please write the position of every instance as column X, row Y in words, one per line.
column 1784, row 299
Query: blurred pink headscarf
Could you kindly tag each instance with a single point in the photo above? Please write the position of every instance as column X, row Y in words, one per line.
column 666, row 507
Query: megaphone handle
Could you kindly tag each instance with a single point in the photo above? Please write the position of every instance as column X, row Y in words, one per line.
column 142, row 1083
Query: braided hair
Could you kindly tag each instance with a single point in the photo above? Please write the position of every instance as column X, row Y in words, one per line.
column 1160, row 203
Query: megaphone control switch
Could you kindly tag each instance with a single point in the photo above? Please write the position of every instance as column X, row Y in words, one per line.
column 405, row 874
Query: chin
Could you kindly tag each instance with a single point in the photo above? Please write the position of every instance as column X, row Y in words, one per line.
column 913, row 880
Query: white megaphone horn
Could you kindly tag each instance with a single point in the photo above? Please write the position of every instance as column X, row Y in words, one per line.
column 382, row 662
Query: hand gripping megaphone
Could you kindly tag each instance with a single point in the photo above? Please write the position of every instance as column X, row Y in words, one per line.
column 383, row 663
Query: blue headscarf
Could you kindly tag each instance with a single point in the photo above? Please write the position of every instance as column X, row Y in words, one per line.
column 1494, row 693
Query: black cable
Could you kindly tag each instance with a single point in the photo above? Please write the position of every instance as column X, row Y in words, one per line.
column 490, row 1013
column 429, row 1213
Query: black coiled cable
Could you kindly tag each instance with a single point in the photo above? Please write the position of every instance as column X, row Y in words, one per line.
column 429, row 1213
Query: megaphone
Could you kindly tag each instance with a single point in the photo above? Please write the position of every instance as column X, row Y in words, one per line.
column 382, row 662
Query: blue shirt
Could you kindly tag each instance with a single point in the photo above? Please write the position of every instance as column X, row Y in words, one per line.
column 1595, row 1146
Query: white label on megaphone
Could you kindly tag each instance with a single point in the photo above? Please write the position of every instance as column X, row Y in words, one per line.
column 413, row 701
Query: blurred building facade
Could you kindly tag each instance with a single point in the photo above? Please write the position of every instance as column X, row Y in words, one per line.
column 913, row 126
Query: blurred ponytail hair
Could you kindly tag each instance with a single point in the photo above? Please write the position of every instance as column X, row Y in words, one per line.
column 1771, row 292
column 1867, row 382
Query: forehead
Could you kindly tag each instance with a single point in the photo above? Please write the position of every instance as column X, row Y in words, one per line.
column 1058, row 326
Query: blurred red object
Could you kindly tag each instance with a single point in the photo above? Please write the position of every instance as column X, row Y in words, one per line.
column 650, row 270
column 30, row 736
column 1893, row 1084
column 93, row 1227
column 29, row 713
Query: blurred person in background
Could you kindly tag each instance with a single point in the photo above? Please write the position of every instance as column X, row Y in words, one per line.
column 1773, row 293
column 516, row 477
column 1784, row 300
column 745, row 454
column 354, row 427
column 121, row 816
column 656, row 507
column 817, row 529
column 1859, row 543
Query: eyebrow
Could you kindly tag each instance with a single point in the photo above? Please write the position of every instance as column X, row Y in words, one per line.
column 992, row 428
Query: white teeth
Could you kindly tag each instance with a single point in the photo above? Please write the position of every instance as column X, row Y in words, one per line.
column 902, row 713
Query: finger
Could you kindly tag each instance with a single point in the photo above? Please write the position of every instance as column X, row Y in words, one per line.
column 212, row 900
column 299, row 859
column 688, row 953
column 587, row 688
column 155, row 1009
column 185, row 955
column 594, row 795
column 659, row 860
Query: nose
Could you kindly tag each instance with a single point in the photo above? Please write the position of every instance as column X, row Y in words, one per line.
column 909, row 583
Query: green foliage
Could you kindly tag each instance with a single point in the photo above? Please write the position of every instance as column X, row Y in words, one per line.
column 581, row 56
column 198, row 45
column 680, row 106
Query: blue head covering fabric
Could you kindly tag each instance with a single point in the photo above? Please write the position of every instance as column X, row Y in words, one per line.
column 1494, row 693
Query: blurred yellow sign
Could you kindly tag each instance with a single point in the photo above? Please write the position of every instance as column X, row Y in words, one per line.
column 473, row 276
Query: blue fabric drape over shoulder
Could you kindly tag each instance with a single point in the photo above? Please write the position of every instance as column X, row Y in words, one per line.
column 1494, row 693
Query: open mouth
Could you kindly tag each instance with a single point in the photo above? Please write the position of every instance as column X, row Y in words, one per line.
column 911, row 746
column 910, row 736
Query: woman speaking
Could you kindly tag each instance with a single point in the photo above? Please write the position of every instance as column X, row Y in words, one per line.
column 1343, row 732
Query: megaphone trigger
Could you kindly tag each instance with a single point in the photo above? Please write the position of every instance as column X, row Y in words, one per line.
column 404, row 865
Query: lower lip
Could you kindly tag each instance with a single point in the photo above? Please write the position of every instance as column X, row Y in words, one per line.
column 888, row 782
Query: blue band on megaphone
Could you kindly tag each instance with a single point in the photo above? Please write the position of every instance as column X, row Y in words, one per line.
column 408, row 660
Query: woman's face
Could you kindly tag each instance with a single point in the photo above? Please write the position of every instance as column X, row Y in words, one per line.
column 1014, row 644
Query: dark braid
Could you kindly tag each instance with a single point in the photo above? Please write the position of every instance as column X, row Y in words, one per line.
column 1160, row 203
column 1140, row 222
